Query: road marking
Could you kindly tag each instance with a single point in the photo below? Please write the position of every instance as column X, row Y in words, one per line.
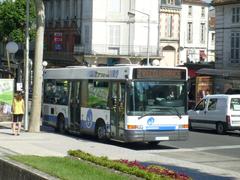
column 194, row 149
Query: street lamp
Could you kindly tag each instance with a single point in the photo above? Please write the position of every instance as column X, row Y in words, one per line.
column 132, row 13
column 44, row 63
column 11, row 48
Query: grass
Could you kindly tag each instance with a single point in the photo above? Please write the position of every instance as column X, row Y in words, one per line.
column 67, row 168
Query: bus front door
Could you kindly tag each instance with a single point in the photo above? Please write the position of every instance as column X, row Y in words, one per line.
column 74, row 109
column 117, row 110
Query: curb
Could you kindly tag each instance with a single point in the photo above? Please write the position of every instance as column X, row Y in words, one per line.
column 10, row 170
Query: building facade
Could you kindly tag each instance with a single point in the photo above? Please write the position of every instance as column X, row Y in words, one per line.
column 194, row 31
column 101, row 31
column 211, row 36
column 170, row 11
column 227, row 63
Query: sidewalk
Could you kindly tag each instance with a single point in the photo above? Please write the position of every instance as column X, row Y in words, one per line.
column 47, row 143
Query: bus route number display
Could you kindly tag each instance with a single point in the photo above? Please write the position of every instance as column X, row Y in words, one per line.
column 177, row 74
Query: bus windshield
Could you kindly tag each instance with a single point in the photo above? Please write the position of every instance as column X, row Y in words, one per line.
column 156, row 98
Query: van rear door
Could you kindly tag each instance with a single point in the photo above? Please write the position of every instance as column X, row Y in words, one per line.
column 234, row 114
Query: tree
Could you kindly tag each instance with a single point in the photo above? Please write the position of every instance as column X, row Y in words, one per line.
column 34, row 124
column 12, row 20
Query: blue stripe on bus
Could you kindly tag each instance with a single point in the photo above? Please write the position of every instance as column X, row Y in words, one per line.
column 161, row 128
column 167, row 128
column 52, row 119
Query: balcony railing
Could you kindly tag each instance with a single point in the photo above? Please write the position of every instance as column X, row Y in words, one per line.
column 122, row 50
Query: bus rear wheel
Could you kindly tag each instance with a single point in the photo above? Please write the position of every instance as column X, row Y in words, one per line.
column 60, row 125
column 153, row 143
column 101, row 131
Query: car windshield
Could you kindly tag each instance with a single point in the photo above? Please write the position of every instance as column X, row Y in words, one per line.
column 156, row 98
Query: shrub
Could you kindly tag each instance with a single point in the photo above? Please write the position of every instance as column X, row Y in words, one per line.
column 151, row 172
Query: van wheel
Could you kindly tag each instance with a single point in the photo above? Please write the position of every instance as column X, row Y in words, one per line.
column 101, row 131
column 220, row 128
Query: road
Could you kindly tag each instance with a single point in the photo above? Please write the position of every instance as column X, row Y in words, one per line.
column 202, row 147
column 204, row 156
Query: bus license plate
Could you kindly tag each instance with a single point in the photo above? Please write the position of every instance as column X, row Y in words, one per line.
column 161, row 138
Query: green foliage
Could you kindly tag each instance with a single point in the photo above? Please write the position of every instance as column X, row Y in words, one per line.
column 68, row 168
column 116, row 165
column 13, row 20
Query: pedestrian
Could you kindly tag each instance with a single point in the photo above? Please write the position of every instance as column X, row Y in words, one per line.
column 18, row 111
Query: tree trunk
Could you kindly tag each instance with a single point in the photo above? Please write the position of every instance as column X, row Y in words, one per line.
column 34, row 124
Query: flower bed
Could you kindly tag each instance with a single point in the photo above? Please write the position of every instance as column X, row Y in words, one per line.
column 150, row 172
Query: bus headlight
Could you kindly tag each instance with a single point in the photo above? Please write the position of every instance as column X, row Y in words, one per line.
column 134, row 126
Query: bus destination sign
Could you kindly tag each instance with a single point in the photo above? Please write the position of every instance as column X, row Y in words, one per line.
column 152, row 73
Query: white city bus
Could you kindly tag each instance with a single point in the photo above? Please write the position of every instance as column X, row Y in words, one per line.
column 125, row 103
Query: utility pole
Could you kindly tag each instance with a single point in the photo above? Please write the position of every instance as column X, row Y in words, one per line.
column 26, row 83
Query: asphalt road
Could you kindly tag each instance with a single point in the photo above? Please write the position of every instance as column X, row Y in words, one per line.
column 203, row 147
column 204, row 156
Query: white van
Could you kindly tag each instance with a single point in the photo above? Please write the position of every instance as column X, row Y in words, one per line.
column 220, row 112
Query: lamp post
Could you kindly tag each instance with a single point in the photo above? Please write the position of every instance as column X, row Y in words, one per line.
column 132, row 13
column 26, row 121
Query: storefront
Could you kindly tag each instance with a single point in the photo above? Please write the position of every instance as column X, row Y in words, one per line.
column 224, row 80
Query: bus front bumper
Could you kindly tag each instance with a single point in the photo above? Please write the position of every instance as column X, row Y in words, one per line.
column 147, row 136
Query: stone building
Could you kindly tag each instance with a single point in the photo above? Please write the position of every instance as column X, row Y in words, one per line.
column 100, row 31
column 226, row 73
column 194, row 31
column 170, row 12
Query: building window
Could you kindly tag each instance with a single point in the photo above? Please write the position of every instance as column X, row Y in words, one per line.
column 213, row 38
column 114, row 35
column 203, row 12
column 169, row 32
column 236, row 15
column 202, row 33
column 235, row 47
column 170, row 2
column 75, row 6
column 51, row 10
column 114, row 5
column 59, row 9
column 67, row 8
column 86, row 35
column 190, row 10
column 189, row 32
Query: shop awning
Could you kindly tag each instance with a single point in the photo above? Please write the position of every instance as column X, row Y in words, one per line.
column 219, row 72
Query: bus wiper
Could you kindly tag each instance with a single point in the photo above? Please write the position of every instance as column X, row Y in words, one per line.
column 147, row 114
column 178, row 114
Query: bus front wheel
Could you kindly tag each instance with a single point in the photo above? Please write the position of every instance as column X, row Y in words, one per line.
column 101, row 131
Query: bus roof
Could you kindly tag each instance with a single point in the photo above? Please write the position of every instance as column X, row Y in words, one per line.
column 113, row 72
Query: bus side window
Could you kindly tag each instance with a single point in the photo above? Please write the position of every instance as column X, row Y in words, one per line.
column 49, row 92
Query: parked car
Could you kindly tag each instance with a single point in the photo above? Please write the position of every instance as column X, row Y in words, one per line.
column 220, row 112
